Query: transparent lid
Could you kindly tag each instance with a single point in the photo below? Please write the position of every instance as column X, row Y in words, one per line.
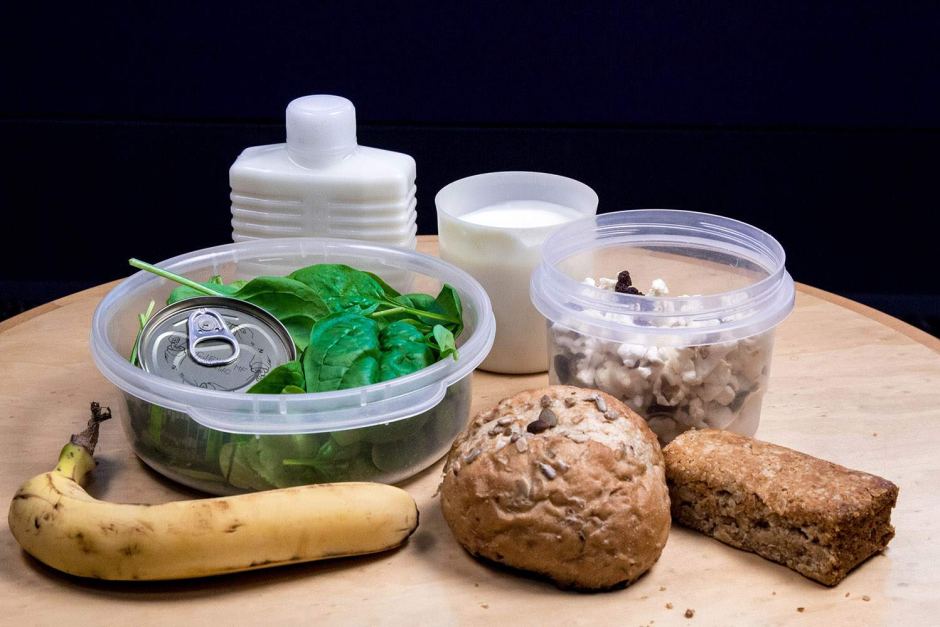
column 726, row 279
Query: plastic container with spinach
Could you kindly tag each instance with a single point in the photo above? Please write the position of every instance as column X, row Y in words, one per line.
column 350, row 329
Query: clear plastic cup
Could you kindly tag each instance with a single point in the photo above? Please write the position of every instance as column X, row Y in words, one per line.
column 502, row 251
column 698, row 356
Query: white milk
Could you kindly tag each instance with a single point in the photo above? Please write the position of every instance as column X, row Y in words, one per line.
column 521, row 214
column 499, row 244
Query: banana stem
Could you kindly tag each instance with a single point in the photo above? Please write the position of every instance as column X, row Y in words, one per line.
column 76, row 459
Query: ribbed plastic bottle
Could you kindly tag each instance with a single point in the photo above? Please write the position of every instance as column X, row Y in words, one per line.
column 321, row 183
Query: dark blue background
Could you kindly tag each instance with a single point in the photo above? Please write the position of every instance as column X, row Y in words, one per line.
column 820, row 124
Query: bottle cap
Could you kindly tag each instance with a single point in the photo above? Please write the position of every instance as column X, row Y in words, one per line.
column 320, row 129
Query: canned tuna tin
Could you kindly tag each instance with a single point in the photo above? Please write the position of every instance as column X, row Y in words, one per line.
column 214, row 343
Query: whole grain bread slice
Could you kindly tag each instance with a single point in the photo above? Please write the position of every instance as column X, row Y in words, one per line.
column 816, row 517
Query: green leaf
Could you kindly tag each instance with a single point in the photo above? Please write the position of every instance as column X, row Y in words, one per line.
column 238, row 462
column 404, row 429
column 449, row 302
column 420, row 302
column 295, row 304
column 331, row 462
column 155, row 423
column 423, row 327
column 285, row 375
column 183, row 292
column 390, row 292
column 421, row 306
column 342, row 288
column 293, row 389
column 142, row 320
column 404, row 350
column 259, row 463
column 343, row 353
column 215, row 283
column 445, row 344
column 214, row 442
column 347, row 436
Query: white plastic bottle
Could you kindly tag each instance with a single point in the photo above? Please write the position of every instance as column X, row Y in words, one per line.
column 322, row 183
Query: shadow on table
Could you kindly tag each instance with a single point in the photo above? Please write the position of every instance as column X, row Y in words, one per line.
column 188, row 589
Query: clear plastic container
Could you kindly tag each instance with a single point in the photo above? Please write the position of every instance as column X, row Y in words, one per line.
column 223, row 442
column 697, row 357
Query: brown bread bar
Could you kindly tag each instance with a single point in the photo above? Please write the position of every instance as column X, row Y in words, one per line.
column 816, row 517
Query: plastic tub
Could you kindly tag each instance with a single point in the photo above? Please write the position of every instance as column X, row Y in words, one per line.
column 223, row 442
column 697, row 357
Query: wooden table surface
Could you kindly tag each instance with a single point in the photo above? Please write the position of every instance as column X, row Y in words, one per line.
column 848, row 384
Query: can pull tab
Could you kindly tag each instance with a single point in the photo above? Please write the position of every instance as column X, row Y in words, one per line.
column 205, row 325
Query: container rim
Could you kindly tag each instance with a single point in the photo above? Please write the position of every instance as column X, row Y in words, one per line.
column 673, row 320
column 491, row 187
column 238, row 412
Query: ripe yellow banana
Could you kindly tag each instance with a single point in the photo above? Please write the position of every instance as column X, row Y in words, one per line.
column 59, row 524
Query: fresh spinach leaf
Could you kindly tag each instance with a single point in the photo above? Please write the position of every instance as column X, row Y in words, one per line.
column 261, row 463
column 273, row 450
column 420, row 306
column 142, row 320
column 239, row 465
column 419, row 302
column 342, row 288
column 390, row 292
column 215, row 283
column 293, row 389
column 449, row 302
column 295, row 304
column 343, row 352
column 331, row 462
column 214, row 442
column 404, row 350
column 428, row 313
column 444, row 342
column 420, row 326
column 155, row 424
column 285, row 375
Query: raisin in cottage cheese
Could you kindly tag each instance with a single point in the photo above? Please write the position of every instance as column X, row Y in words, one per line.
column 674, row 387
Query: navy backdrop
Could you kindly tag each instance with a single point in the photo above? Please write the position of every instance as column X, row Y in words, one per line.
column 819, row 123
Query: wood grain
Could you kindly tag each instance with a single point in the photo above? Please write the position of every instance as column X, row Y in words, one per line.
column 849, row 386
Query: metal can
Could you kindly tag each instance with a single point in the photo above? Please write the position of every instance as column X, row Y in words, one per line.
column 215, row 343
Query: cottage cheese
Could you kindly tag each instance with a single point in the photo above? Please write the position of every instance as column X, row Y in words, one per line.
column 716, row 386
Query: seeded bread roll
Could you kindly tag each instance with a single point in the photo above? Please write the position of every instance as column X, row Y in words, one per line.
column 816, row 517
column 561, row 481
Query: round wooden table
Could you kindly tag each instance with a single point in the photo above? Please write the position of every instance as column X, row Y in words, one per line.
column 849, row 384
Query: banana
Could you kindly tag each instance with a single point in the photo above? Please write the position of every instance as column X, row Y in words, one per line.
column 61, row 525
